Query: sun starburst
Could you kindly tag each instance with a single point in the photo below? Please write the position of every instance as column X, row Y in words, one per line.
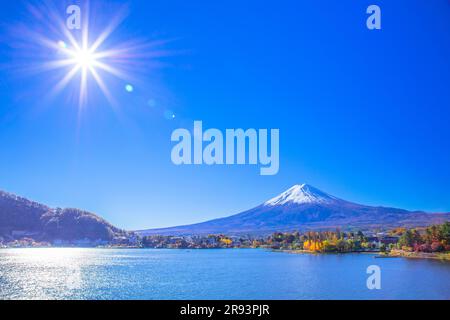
column 87, row 58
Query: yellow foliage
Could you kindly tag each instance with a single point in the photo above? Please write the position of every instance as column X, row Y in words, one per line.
column 226, row 241
column 312, row 245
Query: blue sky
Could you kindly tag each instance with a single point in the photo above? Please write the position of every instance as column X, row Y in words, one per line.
column 362, row 114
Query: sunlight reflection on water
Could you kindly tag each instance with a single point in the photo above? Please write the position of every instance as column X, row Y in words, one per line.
column 53, row 273
column 43, row 273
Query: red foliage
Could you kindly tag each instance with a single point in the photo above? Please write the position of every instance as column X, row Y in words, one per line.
column 437, row 246
column 422, row 248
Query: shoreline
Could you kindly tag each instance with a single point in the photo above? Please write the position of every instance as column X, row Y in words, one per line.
column 440, row 256
column 327, row 253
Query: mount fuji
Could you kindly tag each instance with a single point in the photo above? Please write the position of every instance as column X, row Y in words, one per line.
column 303, row 207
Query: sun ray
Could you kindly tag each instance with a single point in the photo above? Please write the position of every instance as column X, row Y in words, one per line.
column 83, row 88
column 108, row 30
column 114, row 71
column 102, row 86
column 71, row 39
column 65, row 81
column 57, row 64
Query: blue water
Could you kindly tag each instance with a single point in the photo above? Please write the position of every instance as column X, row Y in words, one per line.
column 212, row 274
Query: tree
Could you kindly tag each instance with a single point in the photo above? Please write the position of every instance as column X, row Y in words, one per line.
column 341, row 245
column 444, row 233
column 350, row 244
column 290, row 238
column 328, row 246
column 437, row 247
column 360, row 236
column 407, row 239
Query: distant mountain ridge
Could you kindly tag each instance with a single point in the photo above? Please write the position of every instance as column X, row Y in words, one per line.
column 20, row 217
column 301, row 207
column 304, row 207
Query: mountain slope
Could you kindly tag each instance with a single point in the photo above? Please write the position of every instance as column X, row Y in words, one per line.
column 22, row 217
column 304, row 207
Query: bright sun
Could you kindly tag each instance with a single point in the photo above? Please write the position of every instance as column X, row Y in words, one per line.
column 80, row 57
column 85, row 59
column 89, row 62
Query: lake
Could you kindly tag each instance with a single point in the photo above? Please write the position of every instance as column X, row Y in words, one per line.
column 212, row 274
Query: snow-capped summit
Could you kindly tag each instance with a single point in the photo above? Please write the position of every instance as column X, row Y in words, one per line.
column 301, row 194
column 301, row 208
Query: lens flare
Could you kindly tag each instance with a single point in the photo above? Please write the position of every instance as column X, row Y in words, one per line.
column 129, row 88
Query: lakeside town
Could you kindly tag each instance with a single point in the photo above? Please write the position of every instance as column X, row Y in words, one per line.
column 423, row 242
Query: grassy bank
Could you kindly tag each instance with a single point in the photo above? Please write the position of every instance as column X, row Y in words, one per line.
column 420, row 255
